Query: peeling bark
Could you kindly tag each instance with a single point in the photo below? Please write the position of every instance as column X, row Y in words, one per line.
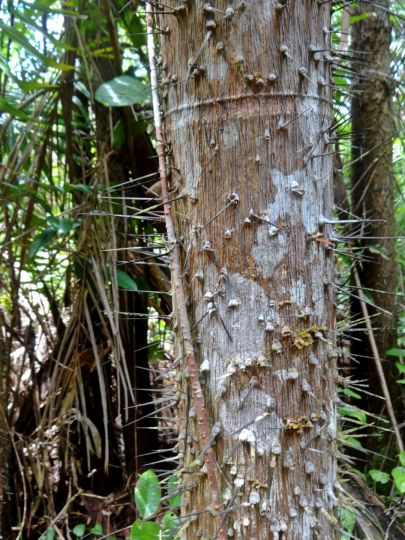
column 247, row 115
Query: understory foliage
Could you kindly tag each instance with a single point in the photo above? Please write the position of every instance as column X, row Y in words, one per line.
column 88, row 399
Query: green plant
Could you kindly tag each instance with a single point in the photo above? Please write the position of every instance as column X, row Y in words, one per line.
column 78, row 531
column 397, row 474
column 148, row 500
column 400, row 363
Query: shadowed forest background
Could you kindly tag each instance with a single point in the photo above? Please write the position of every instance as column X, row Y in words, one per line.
column 89, row 393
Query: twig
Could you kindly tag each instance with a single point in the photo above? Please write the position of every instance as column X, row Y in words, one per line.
column 176, row 270
column 377, row 360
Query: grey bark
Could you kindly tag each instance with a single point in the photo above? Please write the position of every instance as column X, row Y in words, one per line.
column 247, row 115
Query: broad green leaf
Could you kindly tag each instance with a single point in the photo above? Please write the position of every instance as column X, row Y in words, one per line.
column 125, row 281
column 353, row 412
column 171, row 525
column 396, row 352
column 148, row 494
column 41, row 241
column 347, row 518
column 122, row 91
column 61, row 225
column 79, row 530
column 97, row 529
column 402, row 458
column 379, row 476
column 398, row 474
column 50, row 534
column 174, row 498
column 145, row 530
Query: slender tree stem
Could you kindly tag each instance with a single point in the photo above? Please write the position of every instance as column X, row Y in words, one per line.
column 178, row 286
column 377, row 360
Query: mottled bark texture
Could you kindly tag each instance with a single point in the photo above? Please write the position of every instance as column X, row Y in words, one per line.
column 373, row 195
column 247, row 110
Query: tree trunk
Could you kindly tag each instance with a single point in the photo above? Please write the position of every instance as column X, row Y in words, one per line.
column 373, row 197
column 247, row 115
column 5, row 441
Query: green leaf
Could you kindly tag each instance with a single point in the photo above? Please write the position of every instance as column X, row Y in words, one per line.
column 122, row 91
column 97, row 529
column 357, row 18
column 7, row 107
column 174, row 498
column 79, row 530
column 119, row 134
column 50, row 534
column 398, row 474
column 402, row 458
column 353, row 442
column 379, row 476
column 347, row 517
column 400, row 367
column 353, row 412
column 42, row 240
column 30, row 22
column 349, row 393
column 171, row 525
column 145, row 530
column 396, row 352
column 125, row 281
column 148, row 494
column 18, row 37
column 30, row 86
column 79, row 187
column 61, row 225
column 155, row 352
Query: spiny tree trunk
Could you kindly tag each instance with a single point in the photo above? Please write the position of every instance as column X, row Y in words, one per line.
column 373, row 194
column 247, row 114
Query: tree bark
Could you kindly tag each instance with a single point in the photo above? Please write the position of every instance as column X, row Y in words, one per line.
column 247, row 115
column 373, row 198
column 5, row 440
